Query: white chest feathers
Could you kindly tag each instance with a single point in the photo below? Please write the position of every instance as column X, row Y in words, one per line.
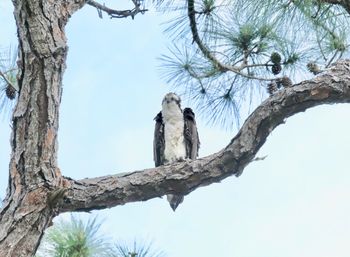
column 173, row 133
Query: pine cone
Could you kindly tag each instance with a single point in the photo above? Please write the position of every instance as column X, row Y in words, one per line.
column 276, row 58
column 313, row 68
column 276, row 68
column 285, row 82
column 10, row 92
column 271, row 88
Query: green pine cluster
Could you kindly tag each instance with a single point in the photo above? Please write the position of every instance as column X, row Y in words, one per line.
column 238, row 48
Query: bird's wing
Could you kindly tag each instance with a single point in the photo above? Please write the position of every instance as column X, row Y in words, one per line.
column 191, row 134
column 158, row 141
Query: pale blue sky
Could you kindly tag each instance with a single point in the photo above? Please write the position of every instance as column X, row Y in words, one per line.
column 294, row 203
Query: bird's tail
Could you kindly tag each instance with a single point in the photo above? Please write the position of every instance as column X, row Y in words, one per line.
column 174, row 200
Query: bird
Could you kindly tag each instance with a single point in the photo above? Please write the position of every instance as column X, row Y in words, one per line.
column 175, row 137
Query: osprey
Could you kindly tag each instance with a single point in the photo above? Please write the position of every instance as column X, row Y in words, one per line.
column 175, row 137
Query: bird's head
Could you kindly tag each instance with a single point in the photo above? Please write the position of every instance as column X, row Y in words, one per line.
column 171, row 99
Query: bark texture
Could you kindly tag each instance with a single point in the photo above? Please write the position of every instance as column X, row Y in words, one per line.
column 97, row 193
column 37, row 191
column 33, row 167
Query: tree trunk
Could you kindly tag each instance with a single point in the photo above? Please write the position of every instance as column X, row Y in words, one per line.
column 36, row 188
column 33, row 167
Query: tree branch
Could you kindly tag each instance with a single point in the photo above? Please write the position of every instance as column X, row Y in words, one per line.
column 71, row 6
column 208, row 54
column 330, row 87
column 344, row 3
column 118, row 13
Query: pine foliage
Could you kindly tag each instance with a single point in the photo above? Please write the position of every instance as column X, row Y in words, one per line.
column 226, row 51
column 75, row 238
column 137, row 249
column 8, row 79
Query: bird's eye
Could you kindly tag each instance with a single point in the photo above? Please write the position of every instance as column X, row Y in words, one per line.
column 172, row 98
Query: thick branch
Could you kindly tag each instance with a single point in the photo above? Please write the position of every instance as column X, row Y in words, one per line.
column 331, row 87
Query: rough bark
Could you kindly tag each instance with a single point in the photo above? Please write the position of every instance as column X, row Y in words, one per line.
column 37, row 191
column 184, row 177
column 33, row 167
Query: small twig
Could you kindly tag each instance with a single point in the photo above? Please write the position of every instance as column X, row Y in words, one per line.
column 332, row 59
column 207, row 53
column 233, row 82
column 117, row 13
column 341, row 53
column 245, row 58
column 344, row 3
column 255, row 65
column 136, row 3
column 99, row 12
column 325, row 11
column 318, row 10
column 288, row 4
column 320, row 46
column 7, row 81
column 259, row 158
column 320, row 24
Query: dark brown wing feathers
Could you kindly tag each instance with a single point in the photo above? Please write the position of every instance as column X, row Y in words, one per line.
column 191, row 134
column 158, row 141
